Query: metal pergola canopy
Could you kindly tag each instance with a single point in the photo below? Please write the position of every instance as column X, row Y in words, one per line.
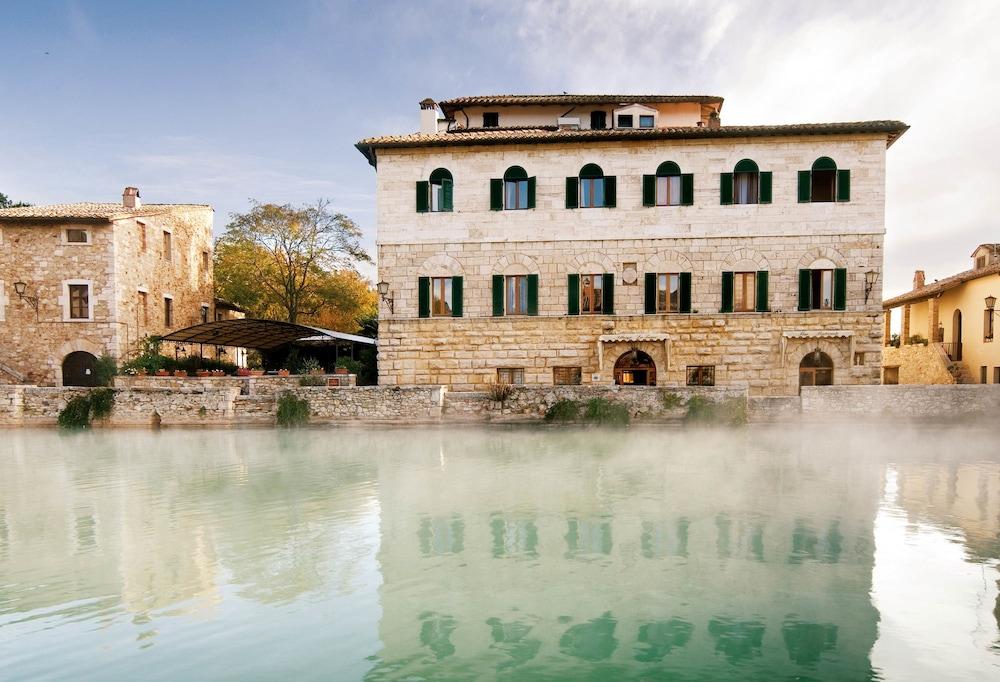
column 262, row 335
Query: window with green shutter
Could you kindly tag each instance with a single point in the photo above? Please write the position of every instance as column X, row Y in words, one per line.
column 496, row 194
column 517, row 189
column 663, row 292
column 843, row 185
column 424, row 297
column 727, row 292
column 573, row 294
column 531, row 192
column 685, row 292
column 765, row 187
column 824, row 183
column 668, row 187
column 498, row 293
column 532, row 294
column 805, row 289
column 650, row 293
column 572, row 192
column 609, row 293
column 422, row 195
column 725, row 188
column 822, row 289
column 840, row 289
column 649, row 190
column 456, row 296
column 440, row 191
column 763, row 305
column 592, row 188
column 805, row 187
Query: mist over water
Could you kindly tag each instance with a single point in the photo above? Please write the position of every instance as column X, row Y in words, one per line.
column 801, row 552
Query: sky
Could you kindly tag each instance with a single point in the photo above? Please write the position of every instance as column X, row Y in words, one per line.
column 218, row 102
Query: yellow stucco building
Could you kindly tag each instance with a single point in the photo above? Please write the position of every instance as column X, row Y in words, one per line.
column 948, row 327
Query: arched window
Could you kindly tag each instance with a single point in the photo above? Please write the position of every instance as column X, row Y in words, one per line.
column 746, row 184
column 824, row 182
column 514, row 191
column 435, row 195
column 668, row 187
column 590, row 189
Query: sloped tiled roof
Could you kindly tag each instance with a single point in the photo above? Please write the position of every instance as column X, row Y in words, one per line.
column 542, row 135
column 88, row 211
column 450, row 105
column 940, row 286
column 993, row 247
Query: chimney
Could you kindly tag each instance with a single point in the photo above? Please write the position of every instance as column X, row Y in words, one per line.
column 918, row 280
column 713, row 120
column 428, row 117
column 130, row 198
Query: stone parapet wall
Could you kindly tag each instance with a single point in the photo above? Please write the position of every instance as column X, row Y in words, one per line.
column 919, row 364
column 531, row 402
column 253, row 385
column 923, row 402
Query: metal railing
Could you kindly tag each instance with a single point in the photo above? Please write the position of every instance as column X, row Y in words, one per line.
column 953, row 350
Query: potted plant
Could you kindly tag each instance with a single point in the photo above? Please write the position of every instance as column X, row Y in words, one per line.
column 180, row 373
column 283, row 372
column 256, row 372
column 218, row 372
column 162, row 373
column 243, row 372
column 202, row 373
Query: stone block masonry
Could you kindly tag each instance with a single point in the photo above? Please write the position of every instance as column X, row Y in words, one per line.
column 944, row 402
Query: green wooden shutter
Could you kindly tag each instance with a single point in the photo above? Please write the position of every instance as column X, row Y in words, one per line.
column 762, row 293
column 497, row 295
column 650, row 297
column 765, row 187
column 727, row 292
column 805, row 289
column 687, row 189
column 726, row 188
column 531, row 192
column 573, row 291
column 805, row 187
column 843, row 185
column 608, row 293
column 572, row 192
column 649, row 190
column 685, row 282
column 456, row 296
column 447, row 195
column 840, row 289
column 424, row 297
column 610, row 191
column 422, row 195
column 532, row 294
column 496, row 195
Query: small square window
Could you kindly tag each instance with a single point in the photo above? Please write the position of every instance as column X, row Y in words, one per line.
column 859, row 359
column 598, row 120
column 625, row 121
column 491, row 119
column 204, row 314
column 510, row 375
column 701, row 375
column 645, row 121
column 567, row 376
column 77, row 236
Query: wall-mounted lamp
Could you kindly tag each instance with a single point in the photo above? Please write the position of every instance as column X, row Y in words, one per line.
column 991, row 302
column 871, row 278
column 21, row 288
column 383, row 292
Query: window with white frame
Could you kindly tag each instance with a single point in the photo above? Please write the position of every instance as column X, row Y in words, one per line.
column 78, row 301
column 76, row 235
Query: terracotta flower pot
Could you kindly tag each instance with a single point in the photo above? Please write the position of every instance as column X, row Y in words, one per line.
column 162, row 373
column 283, row 372
column 256, row 372
column 180, row 373
column 341, row 370
column 203, row 374
column 242, row 372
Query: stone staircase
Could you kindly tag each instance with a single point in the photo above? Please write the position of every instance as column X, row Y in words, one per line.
column 961, row 373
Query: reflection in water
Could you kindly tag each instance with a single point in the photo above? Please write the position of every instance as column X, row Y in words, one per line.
column 518, row 554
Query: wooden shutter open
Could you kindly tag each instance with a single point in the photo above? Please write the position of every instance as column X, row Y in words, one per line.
column 649, row 190
column 725, row 188
column 531, row 192
column 608, row 293
column 843, row 185
column 447, row 195
column 765, row 187
column 424, row 297
column 423, row 192
column 687, row 189
column 572, row 192
column 610, row 191
column 727, row 292
column 532, row 294
column 650, row 293
column 685, row 292
column 496, row 194
column 762, row 293
column 805, row 289
column 805, row 187
column 840, row 289
column 456, row 296
column 573, row 294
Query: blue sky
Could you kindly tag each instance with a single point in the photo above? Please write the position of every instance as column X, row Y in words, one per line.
column 218, row 102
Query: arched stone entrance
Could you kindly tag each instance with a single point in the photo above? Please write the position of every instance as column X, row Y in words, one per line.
column 956, row 335
column 635, row 368
column 816, row 369
column 79, row 368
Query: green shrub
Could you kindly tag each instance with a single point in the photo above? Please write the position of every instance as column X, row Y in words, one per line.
column 671, row 400
column 311, row 366
column 102, row 401
column 605, row 412
column 352, row 366
column 918, row 340
column 105, row 370
column 76, row 414
column 563, row 411
column 292, row 411
column 730, row 412
column 499, row 392
column 312, row 380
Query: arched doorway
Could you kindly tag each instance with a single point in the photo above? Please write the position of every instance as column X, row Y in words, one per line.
column 956, row 335
column 635, row 368
column 816, row 369
column 79, row 368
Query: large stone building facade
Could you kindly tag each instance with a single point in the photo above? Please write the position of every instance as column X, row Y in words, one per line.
column 78, row 281
column 676, row 251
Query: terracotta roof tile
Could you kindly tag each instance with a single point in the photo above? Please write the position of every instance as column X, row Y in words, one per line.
column 940, row 286
column 87, row 211
column 542, row 135
column 450, row 105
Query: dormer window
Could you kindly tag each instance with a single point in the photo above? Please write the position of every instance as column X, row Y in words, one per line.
column 598, row 120
column 491, row 119
column 624, row 120
column 980, row 262
column 645, row 121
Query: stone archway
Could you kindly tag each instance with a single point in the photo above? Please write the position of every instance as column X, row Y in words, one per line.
column 635, row 368
column 816, row 369
column 79, row 368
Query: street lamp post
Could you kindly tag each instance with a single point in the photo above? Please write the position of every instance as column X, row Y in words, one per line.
column 383, row 292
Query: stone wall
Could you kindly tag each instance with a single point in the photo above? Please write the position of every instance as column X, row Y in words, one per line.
column 253, row 385
column 923, row 402
column 531, row 402
column 919, row 364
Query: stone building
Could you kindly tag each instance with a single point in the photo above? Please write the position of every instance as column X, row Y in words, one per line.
column 947, row 326
column 631, row 240
column 81, row 280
